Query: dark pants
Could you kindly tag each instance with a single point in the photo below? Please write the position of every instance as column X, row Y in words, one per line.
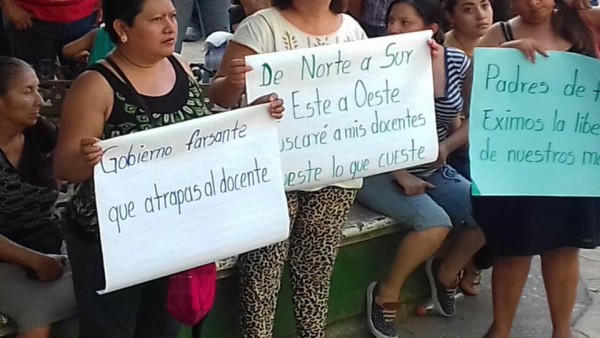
column 45, row 40
column 4, row 45
column 135, row 312
column 459, row 160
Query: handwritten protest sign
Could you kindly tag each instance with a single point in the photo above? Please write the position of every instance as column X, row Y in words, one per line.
column 187, row 194
column 535, row 128
column 352, row 110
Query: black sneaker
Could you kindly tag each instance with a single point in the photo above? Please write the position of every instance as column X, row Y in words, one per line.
column 442, row 297
column 381, row 320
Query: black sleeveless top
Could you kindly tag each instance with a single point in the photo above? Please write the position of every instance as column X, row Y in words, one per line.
column 184, row 102
column 509, row 36
column 532, row 225
column 28, row 193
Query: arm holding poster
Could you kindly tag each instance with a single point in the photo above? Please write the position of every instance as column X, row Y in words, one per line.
column 229, row 82
column 458, row 137
column 83, row 114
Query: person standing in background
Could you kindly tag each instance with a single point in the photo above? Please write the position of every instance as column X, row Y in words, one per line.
column 38, row 29
column 208, row 16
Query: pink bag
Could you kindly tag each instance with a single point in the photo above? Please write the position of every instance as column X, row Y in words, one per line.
column 191, row 294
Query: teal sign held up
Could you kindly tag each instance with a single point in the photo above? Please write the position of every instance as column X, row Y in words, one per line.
column 535, row 128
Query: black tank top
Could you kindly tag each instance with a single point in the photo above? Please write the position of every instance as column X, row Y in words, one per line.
column 183, row 102
column 509, row 36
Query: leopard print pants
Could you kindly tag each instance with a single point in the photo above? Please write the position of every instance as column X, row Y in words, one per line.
column 316, row 222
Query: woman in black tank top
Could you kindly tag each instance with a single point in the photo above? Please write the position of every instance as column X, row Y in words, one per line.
column 518, row 228
column 115, row 97
column 141, row 85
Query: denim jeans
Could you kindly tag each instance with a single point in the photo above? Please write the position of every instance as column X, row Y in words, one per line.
column 184, row 9
column 211, row 16
column 213, row 13
column 448, row 204
column 45, row 40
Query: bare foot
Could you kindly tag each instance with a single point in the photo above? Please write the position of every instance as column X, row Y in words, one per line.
column 469, row 282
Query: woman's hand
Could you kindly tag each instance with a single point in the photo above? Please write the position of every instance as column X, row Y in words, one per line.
column 82, row 57
column 528, row 46
column 90, row 150
column 436, row 49
column 50, row 267
column 411, row 184
column 237, row 73
column 276, row 107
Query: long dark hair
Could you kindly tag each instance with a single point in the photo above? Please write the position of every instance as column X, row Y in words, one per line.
column 336, row 6
column 10, row 67
column 569, row 25
column 430, row 11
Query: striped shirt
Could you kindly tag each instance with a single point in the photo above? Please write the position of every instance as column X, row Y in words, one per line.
column 451, row 104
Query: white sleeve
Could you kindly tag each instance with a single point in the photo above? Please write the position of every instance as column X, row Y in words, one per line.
column 256, row 34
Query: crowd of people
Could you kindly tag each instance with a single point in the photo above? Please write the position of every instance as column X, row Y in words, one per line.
column 126, row 45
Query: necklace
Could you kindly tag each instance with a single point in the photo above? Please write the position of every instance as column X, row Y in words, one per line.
column 133, row 63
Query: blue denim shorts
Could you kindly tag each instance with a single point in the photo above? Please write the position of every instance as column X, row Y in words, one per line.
column 449, row 204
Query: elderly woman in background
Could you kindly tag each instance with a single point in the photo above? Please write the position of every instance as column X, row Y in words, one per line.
column 35, row 285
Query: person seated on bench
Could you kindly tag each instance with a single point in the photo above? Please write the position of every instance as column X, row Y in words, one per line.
column 36, row 287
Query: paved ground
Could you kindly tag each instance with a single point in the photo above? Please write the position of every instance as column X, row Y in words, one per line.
column 474, row 313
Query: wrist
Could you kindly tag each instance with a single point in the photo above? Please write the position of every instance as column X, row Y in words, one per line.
column 399, row 175
column 36, row 261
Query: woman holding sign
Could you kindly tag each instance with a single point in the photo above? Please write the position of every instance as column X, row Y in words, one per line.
column 429, row 198
column 117, row 96
column 518, row 228
column 35, row 276
column 144, row 32
column 316, row 216
column 470, row 20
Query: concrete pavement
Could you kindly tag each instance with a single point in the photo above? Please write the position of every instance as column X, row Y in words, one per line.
column 474, row 314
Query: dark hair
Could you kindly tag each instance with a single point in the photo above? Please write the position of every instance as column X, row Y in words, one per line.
column 449, row 5
column 124, row 10
column 336, row 6
column 429, row 10
column 10, row 67
column 569, row 25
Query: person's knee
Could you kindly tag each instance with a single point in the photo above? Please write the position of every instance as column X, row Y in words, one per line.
column 434, row 234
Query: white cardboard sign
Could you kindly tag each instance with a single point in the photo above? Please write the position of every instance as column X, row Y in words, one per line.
column 354, row 109
column 184, row 195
